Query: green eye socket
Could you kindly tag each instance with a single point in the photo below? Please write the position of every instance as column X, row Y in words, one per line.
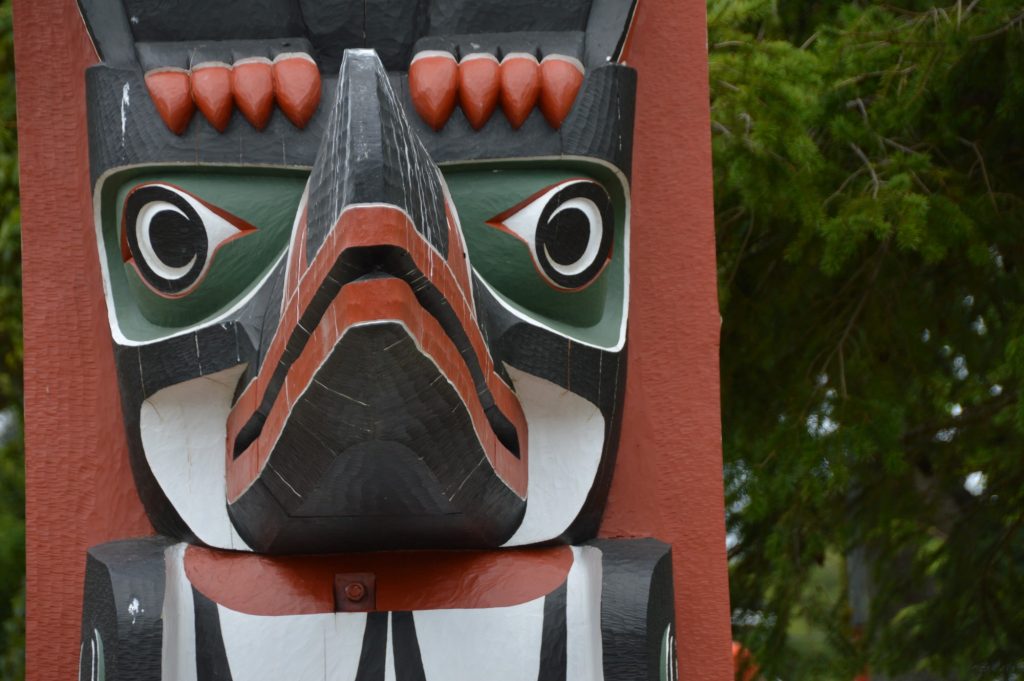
column 550, row 239
column 183, row 245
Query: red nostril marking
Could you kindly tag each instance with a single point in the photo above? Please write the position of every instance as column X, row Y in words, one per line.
column 171, row 92
column 252, row 84
column 520, row 86
column 296, row 86
column 560, row 80
column 211, row 90
column 479, row 86
column 433, row 85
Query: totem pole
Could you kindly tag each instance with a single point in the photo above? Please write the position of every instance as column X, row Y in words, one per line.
column 367, row 273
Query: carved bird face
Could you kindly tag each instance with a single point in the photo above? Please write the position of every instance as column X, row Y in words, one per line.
column 368, row 332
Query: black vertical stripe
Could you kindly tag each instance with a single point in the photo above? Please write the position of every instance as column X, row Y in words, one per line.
column 408, row 662
column 211, row 658
column 375, row 647
column 553, row 640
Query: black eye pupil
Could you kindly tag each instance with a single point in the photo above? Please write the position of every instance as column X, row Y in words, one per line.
column 171, row 235
column 175, row 235
column 567, row 236
column 574, row 217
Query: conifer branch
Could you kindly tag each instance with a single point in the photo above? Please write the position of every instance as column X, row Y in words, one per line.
column 876, row 183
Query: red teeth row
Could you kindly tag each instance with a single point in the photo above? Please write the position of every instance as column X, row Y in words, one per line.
column 252, row 85
column 479, row 83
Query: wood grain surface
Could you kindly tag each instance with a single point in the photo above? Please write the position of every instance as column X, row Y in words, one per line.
column 79, row 489
column 668, row 482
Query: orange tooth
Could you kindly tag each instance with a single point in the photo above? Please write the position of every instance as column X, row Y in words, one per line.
column 433, row 84
column 479, row 86
column 520, row 86
column 560, row 80
column 211, row 90
column 171, row 94
column 297, row 86
column 252, row 84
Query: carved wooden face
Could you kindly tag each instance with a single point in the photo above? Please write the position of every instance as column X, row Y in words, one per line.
column 370, row 331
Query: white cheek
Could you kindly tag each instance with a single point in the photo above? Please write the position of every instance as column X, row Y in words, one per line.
column 595, row 232
column 183, row 434
column 566, row 441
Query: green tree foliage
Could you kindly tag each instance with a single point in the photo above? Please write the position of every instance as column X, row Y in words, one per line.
column 12, row 468
column 869, row 180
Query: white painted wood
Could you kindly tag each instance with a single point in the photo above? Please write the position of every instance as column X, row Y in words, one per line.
column 389, row 655
column 323, row 647
column 584, row 646
column 178, row 659
column 184, row 431
column 492, row 644
column 566, row 437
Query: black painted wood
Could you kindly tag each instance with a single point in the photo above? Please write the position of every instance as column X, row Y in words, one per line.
column 375, row 641
column 408, row 661
column 369, row 154
column 637, row 604
column 554, row 638
column 211, row 657
column 122, row 609
column 599, row 126
column 391, row 27
column 405, row 470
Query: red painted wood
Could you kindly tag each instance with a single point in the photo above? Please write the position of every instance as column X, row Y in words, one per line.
column 296, row 87
column 252, row 84
column 170, row 90
column 405, row 580
column 520, row 86
column 560, row 80
column 668, row 479
column 433, row 87
column 79, row 489
column 479, row 86
column 211, row 90
column 668, row 483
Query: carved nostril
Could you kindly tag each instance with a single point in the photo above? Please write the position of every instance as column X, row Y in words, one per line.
column 503, row 429
column 248, row 434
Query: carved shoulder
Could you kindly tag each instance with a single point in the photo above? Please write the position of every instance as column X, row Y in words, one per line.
column 122, row 627
column 637, row 610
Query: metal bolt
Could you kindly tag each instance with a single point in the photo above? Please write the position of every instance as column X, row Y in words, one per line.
column 355, row 591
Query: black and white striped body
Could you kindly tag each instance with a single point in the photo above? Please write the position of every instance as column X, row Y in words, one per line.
column 610, row 619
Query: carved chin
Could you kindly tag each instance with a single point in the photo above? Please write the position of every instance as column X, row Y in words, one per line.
column 381, row 491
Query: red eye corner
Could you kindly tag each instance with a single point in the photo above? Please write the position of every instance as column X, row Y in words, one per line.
column 569, row 230
column 171, row 236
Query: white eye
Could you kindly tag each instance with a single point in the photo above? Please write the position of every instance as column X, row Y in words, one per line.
column 171, row 236
column 569, row 230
